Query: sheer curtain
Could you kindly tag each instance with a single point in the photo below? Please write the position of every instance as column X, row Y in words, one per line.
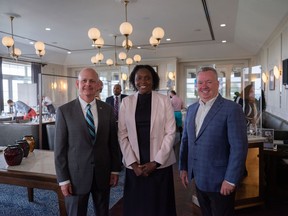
column 1, row 87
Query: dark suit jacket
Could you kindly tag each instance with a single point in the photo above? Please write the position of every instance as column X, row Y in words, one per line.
column 77, row 157
column 110, row 100
column 220, row 149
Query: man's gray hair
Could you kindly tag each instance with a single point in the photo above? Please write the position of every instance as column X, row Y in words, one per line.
column 204, row 69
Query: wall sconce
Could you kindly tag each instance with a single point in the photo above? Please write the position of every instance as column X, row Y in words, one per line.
column 171, row 75
column 276, row 72
column 124, row 76
column 264, row 77
column 53, row 85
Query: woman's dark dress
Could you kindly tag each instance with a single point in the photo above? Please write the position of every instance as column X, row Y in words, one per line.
column 152, row 195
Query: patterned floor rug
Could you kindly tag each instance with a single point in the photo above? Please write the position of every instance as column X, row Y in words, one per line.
column 14, row 201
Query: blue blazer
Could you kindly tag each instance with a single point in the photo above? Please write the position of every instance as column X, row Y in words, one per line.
column 219, row 151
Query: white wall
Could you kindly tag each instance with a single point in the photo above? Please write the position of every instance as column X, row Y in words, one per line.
column 272, row 53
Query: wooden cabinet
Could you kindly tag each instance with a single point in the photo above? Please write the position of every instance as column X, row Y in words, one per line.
column 251, row 190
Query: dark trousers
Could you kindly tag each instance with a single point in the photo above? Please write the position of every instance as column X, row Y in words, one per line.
column 77, row 205
column 215, row 204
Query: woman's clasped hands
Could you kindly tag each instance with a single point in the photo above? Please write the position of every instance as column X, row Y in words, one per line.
column 144, row 169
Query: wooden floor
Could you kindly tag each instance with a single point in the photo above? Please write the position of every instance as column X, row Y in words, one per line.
column 185, row 206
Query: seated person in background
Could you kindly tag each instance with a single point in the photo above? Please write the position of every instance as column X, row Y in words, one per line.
column 178, row 105
column 21, row 107
column 113, row 101
column 99, row 89
column 247, row 100
column 47, row 102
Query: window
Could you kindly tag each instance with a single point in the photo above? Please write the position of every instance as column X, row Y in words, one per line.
column 191, row 94
column 13, row 74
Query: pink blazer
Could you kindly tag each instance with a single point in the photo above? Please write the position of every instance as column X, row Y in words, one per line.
column 162, row 131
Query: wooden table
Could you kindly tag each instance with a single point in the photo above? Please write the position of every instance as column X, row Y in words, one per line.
column 35, row 171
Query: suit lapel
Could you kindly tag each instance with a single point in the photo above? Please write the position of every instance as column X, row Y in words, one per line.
column 81, row 118
column 100, row 120
column 193, row 117
column 212, row 112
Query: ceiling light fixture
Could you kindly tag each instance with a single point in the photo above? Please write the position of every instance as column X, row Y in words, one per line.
column 9, row 42
column 126, row 30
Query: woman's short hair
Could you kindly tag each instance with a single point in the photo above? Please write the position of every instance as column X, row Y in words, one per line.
column 155, row 76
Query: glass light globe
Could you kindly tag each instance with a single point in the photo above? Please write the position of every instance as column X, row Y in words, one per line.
column 276, row 72
column 153, row 41
column 122, row 56
column 129, row 61
column 40, row 53
column 130, row 44
column 124, row 76
column 109, row 62
column 7, row 41
column 158, row 33
column 137, row 58
column 264, row 77
column 171, row 75
column 99, row 57
column 126, row 28
column 17, row 52
column 93, row 59
column 39, row 45
column 94, row 34
column 100, row 42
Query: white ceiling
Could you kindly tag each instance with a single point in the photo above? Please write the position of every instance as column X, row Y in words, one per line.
column 186, row 22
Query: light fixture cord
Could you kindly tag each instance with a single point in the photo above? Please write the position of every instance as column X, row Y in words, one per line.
column 12, row 35
column 126, row 20
column 126, row 3
column 115, row 54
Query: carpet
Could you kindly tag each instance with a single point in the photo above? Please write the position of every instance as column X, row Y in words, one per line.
column 14, row 200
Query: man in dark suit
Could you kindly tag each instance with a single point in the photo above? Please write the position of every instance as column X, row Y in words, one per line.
column 112, row 99
column 214, row 147
column 86, row 160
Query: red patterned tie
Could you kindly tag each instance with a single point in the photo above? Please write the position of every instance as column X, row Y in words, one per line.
column 116, row 107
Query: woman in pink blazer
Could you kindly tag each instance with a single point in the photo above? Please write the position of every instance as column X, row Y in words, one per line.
column 146, row 135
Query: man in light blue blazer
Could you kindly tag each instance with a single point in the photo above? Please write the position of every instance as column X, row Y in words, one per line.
column 214, row 147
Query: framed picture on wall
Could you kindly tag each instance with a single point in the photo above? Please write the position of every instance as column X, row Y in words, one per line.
column 271, row 80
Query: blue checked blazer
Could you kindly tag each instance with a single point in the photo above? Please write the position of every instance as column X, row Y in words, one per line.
column 219, row 151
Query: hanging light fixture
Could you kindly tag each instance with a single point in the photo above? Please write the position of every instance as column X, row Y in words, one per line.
column 137, row 58
column 94, row 34
column 109, row 62
column 99, row 43
column 40, row 48
column 157, row 34
column 14, row 52
column 127, row 46
column 129, row 61
column 126, row 30
column 9, row 42
column 122, row 56
column 94, row 60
